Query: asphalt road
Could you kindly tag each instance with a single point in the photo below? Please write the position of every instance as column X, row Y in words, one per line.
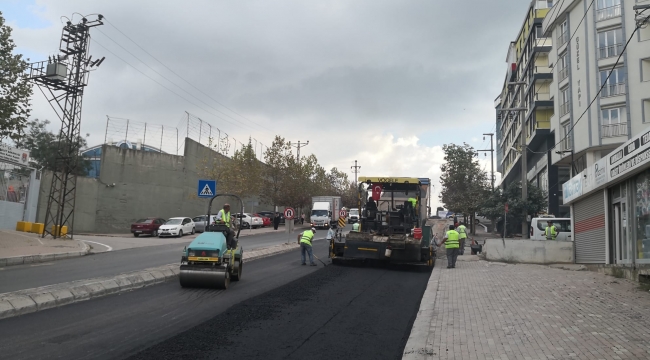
column 111, row 263
column 280, row 309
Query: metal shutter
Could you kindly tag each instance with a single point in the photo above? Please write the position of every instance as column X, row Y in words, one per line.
column 589, row 230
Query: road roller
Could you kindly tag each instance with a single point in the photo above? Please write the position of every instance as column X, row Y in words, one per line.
column 207, row 261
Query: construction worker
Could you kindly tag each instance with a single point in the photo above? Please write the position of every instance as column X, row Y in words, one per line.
column 451, row 244
column 223, row 217
column 304, row 239
column 462, row 231
column 413, row 201
column 355, row 226
column 550, row 231
column 331, row 233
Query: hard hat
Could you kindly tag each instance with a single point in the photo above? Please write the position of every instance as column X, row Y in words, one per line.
column 313, row 229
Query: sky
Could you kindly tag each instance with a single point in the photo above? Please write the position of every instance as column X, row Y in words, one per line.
column 386, row 83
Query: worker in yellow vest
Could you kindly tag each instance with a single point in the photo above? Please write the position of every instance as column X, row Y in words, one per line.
column 305, row 239
column 550, row 231
column 451, row 241
column 223, row 218
column 462, row 232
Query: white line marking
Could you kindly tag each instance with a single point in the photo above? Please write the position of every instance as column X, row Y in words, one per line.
column 109, row 248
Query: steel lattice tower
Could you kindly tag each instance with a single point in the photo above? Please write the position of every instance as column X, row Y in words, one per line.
column 64, row 77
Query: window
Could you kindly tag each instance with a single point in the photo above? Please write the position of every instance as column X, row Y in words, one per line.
column 645, row 69
column 563, row 66
column 607, row 9
column 646, row 110
column 644, row 33
column 610, row 43
column 566, row 136
column 580, row 164
column 544, row 4
column 564, row 34
column 564, row 102
column 560, row 225
column 612, row 122
column 614, row 83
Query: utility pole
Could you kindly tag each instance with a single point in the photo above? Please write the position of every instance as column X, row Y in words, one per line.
column 65, row 77
column 299, row 146
column 491, row 150
column 355, row 169
column 524, row 151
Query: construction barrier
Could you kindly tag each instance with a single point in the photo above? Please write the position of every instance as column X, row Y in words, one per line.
column 38, row 228
column 24, row 226
column 63, row 231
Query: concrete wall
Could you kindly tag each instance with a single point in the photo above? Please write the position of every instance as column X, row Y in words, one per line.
column 10, row 214
column 529, row 251
column 146, row 184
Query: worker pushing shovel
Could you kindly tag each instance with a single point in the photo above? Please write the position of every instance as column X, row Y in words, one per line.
column 305, row 240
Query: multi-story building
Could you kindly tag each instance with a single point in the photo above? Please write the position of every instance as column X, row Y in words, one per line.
column 602, row 111
column 528, row 65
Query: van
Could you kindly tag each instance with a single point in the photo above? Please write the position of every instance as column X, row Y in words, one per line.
column 562, row 225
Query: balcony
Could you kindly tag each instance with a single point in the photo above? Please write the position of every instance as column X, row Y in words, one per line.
column 609, row 51
column 563, row 73
column 612, row 90
column 563, row 38
column 608, row 13
column 564, row 109
column 613, row 130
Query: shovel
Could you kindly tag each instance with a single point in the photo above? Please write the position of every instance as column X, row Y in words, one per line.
column 317, row 258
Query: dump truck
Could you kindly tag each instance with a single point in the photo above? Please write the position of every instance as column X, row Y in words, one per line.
column 207, row 261
column 393, row 227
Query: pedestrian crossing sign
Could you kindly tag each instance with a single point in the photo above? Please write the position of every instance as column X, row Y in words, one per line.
column 207, row 188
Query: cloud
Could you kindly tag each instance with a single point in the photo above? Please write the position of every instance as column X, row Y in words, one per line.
column 371, row 80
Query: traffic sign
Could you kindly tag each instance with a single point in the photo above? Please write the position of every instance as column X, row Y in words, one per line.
column 342, row 213
column 289, row 213
column 207, row 188
column 341, row 222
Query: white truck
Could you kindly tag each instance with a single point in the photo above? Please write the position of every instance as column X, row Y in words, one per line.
column 324, row 209
column 353, row 215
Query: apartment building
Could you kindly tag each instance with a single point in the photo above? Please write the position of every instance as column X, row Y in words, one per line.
column 601, row 126
column 528, row 64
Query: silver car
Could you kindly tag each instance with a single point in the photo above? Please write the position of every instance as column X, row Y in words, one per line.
column 201, row 222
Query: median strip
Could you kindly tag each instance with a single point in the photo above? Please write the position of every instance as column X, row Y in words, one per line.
column 36, row 299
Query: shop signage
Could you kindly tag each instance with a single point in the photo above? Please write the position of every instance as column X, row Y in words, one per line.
column 629, row 156
column 572, row 189
column 13, row 155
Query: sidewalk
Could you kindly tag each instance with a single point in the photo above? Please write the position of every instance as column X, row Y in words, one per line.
column 21, row 248
column 483, row 310
column 244, row 232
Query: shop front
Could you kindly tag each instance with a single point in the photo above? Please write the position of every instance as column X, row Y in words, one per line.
column 610, row 205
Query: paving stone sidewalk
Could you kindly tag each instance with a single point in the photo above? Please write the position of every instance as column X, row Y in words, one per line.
column 483, row 310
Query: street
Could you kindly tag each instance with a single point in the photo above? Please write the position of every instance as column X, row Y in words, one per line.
column 105, row 263
column 279, row 310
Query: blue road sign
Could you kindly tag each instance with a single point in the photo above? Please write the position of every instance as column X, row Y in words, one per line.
column 207, row 188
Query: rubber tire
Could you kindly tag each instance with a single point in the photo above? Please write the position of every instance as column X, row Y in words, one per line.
column 180, row 233
column 240, row 266
column 154, row 233
column 136, row 235
column 246, row 225
column 193, row 230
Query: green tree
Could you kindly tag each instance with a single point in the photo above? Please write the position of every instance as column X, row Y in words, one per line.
column 493, row 205
column 15, row 90
column 464, row 184
column 275, row 171
column 244, row 173
column 43, row 146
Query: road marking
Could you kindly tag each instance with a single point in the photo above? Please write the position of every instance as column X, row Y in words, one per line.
column 46, row 264
column 94, row 242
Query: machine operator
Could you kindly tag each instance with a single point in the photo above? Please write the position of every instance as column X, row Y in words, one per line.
column 223, row 217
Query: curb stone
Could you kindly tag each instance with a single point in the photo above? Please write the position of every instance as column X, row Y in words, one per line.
column 41, row 258
column 32, row 300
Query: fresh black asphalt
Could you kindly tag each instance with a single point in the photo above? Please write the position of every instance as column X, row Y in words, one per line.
column 280, row 310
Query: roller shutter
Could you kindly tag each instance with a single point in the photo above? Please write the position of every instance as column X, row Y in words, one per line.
column 589, row 230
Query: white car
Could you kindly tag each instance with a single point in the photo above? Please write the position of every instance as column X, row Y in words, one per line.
column 177, row 226
column 249, row 221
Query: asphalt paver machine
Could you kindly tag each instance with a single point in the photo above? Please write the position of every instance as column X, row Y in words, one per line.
column 390, row 225
column 207, row 261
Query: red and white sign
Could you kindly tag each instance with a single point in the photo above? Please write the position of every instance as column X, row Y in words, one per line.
column 376, row 191
column 342, row 213
column 289, row 213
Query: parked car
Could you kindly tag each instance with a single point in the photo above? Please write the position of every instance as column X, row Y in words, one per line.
column 266, row 221
column 177, row 226
column 201, row 222
column 271, row 215
column 147, row 226
column 562, row 226
column 249, row 221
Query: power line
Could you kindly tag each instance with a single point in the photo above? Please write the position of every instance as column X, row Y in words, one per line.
column 180, row 77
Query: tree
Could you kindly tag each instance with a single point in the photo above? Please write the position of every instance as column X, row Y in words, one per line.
column 274, row 174
column 245, row 172
column 15, row 90
column 464, row 184
column 494, row 204
column 43, row 146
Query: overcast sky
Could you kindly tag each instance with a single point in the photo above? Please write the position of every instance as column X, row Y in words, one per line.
column 386, row 83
